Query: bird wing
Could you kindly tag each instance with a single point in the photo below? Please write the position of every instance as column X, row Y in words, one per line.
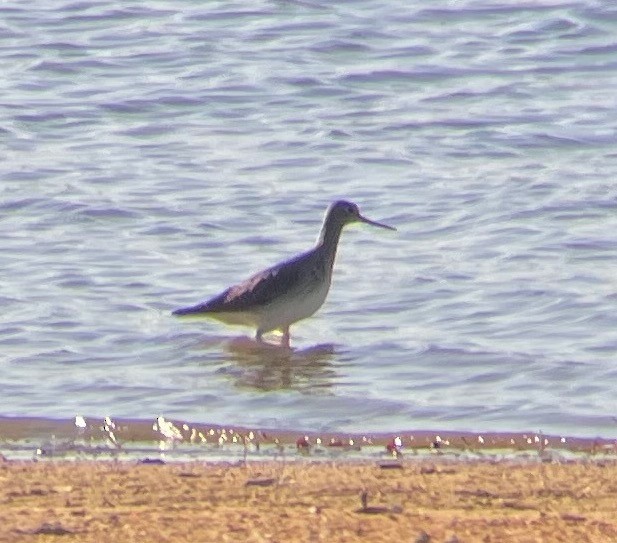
column 258, row 291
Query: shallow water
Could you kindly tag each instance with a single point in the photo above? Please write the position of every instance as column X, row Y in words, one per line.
column 153, row 155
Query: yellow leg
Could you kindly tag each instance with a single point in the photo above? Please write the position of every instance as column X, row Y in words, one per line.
column 285, row 341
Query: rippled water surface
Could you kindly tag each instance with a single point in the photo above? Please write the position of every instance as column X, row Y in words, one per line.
column 154, row 153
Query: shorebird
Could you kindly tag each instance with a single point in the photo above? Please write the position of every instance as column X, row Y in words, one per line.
column 295, row 289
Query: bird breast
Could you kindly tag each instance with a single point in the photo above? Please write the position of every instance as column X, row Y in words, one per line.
column 299, row 304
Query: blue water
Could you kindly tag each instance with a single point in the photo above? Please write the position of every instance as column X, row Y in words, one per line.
column 154, row 153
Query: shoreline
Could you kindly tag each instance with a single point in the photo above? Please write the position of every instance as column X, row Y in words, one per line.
column 91, row 479
column 426, row 500
column 120, row 434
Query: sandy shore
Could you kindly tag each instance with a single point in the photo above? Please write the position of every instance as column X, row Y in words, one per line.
column 429, row 501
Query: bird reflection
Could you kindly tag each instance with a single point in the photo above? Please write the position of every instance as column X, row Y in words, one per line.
column 265, row 366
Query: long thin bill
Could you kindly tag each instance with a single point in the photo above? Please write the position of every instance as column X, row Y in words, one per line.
column 375, row 223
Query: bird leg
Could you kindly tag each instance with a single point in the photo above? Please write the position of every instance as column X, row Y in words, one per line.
column 285, row 341
column 259, row 336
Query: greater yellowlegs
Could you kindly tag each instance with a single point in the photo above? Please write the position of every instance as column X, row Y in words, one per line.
column 277, row 297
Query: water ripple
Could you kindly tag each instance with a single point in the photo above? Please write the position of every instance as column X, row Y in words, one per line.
column 155, row 154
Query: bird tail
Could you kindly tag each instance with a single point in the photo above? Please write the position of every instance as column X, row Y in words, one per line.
column 188, row 311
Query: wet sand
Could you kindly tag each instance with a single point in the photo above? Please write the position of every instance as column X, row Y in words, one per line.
column 302, row 501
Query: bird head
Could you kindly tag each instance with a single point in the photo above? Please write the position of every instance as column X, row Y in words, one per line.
column 347, row 212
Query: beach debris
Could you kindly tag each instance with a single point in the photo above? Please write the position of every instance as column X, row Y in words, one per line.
column 375, row 509
column 436, row 443
column 353, row 446
column 303, row 444
column 452, row 539
column 51, row 528
column 155, row 461
column 189, row 474
column 169, row 432
column 476, row 493
column 390, row 464
column 423, row 537
column 261, row 481
column 394, row 446
column 109, row 427
column 569, row 517
column 250, row 441
column 80, row 422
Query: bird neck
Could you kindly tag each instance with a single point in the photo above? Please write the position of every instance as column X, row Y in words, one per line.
column 328, row 239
